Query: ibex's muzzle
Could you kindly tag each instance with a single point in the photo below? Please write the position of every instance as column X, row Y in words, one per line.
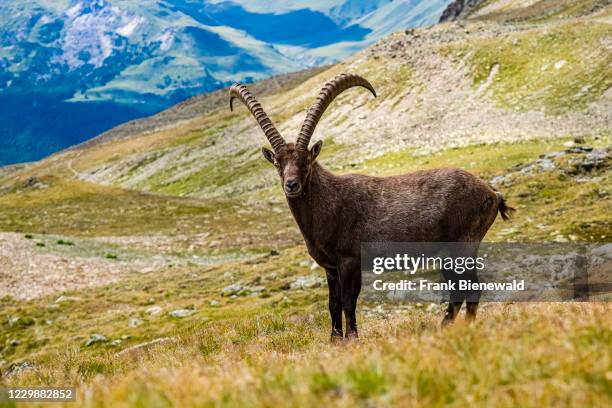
column 292, row 187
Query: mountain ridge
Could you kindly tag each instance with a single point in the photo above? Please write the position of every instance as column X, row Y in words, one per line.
column 447, row 71
column 99, row 63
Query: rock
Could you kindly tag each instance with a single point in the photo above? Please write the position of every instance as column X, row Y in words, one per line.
column 180, row 313
column 274, row 252
column 305, row 263
column 579, row 149
column 33, row 182
column 603, row 251
column 595, row 159
column 214, row 303
column 17, row 368
column 116, row 343
column 95, row 338
column 154, row 310
column 14, row 342
column 500, row 180
column 542, row 164
column 559, row 64
column 232, row 289
column 135, row 322
column 457, row 9
column 306, row 282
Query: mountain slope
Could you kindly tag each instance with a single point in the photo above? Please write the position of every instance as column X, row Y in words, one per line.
column 449, row 85
column 98, row 63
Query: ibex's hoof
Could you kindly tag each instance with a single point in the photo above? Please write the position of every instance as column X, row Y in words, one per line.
column 336, row 337
column 352, row 336
column 446, row 322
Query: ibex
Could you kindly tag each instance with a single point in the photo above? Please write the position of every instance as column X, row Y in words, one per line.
column 337, row 213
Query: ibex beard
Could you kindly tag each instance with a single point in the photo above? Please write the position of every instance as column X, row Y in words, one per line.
column 336, row 214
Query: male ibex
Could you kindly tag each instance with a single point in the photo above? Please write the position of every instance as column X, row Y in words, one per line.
column 336, row 213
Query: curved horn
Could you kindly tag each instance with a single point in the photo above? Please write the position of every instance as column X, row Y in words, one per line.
column 241, row 92
column 328, row 93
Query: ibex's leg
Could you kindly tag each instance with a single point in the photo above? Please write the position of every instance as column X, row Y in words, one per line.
column 456, row 297
column 350, row 286
column 335, row 303
column 451, row 312
column 471, row 309
column 472, row 299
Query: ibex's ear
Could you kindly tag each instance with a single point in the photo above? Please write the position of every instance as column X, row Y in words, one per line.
column 268, row 154
column 316, row 149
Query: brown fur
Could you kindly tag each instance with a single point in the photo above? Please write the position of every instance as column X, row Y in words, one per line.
column 337, row 213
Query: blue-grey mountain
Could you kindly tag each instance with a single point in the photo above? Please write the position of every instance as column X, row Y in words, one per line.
column 70, row 69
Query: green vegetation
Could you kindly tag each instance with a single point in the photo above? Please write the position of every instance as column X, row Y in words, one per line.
column 562, row 68
column 275, row 358
column 542, row 10
column 74, row 208
column 236, row 337
column 532, row 194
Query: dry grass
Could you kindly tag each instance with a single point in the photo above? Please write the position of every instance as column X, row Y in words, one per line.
column 515, row 355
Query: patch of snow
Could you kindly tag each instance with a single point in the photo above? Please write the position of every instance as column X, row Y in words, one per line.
column 88, row 33
column 44, row 20
column 560, row 64
column 106, row 45
column 74, row 11
column 128, row 29
column 167, row 40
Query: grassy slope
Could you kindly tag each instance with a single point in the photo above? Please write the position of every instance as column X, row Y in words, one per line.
column 572, row 74
column 236, row 340
column 271, row 347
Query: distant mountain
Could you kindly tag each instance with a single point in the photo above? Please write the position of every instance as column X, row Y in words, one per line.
column 71, row 69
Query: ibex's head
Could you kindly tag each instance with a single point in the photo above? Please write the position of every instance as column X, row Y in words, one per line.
column 294, row 162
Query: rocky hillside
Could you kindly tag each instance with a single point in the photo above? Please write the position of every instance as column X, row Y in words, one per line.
column 520, row 11
column 503, row 92
column 451, row 85
column 459, row 9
